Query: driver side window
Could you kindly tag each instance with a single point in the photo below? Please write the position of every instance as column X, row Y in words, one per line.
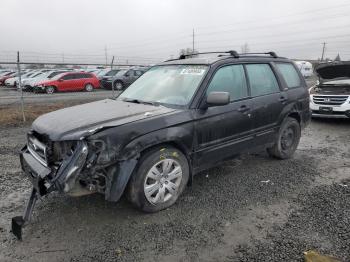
column 230, row 79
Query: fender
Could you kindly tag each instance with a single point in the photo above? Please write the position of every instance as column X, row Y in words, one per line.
column 119, row 175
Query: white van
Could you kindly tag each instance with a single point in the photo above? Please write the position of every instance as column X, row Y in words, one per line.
column 305, row 68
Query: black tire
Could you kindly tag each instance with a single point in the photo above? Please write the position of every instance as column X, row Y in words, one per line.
column 118, row 85
column 287, row 140
column 136, row 187
column 50, row 89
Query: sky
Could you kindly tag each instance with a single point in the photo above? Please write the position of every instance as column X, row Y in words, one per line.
column 135, row 31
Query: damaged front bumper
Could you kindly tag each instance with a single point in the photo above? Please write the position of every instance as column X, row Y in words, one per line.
column 45, row 179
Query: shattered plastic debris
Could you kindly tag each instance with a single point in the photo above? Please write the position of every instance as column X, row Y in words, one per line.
column 313, row 256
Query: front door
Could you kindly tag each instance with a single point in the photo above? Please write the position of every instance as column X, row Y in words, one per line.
column 223, row 131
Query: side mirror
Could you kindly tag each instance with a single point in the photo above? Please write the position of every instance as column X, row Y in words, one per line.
column 60, row 80
column 218, row 99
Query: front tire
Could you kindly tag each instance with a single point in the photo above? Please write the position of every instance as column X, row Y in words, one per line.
column 50, row 89
column 159, row 179
column 287, row 140
column 118, row 85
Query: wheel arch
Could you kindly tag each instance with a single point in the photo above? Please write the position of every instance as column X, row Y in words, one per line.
column 129, row 156
column 295, row 115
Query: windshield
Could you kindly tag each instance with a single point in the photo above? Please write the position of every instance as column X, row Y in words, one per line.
column 121, row 73
column 112, row 73
column 170, row 84
column 54, row 74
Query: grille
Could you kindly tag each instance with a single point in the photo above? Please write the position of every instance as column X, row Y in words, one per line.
column 330, row 100
column 37, row 149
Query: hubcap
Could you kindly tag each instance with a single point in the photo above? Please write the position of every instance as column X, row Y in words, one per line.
column 162, row 181
column 287, row 138
column 89, row 88
column 118, row 86
column 49, row 90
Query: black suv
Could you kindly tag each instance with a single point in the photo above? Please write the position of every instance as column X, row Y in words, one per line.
column 179, row 118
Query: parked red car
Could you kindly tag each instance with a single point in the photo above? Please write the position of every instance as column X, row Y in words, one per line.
column 71, row 81
column 6, row 76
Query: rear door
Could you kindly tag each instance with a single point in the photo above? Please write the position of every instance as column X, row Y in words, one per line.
column 267, row 99
column 223, row 131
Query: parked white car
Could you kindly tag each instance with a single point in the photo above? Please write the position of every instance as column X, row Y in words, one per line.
column 305, row 68
column 14, row 80
column 331, row 96
column 27, row 84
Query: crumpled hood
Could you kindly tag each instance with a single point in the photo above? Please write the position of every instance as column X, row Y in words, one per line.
column 79, row 121
column 333, row 70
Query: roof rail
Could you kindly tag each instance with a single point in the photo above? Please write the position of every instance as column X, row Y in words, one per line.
column 271, row 53
column 231, row 52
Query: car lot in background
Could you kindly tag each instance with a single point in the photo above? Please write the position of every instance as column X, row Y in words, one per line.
column 29, row 83
column 71, row 81
column 6, row 76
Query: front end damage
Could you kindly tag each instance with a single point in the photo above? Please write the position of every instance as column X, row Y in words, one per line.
column 75, row 168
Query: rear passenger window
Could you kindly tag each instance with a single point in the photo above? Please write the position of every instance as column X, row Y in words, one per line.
column 262, row 80
column 230, row 79
column 289, row 74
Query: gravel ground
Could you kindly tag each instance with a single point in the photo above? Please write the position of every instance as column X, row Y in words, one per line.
column 252, row 208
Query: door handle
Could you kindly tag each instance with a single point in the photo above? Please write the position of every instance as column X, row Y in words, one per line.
column 282, row 99
column 243, row 108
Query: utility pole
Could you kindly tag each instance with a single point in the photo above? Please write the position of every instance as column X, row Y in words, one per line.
column 193, row 41
column 106, row 54
column 20, row 86
column 113, row 94
column 323, row 49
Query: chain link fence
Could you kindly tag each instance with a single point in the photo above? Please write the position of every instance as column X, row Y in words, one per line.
column 30, row 88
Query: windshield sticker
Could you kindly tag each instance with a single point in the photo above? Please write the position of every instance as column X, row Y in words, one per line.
column 192, row 71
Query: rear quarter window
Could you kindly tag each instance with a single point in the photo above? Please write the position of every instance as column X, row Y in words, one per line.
column 289, row 74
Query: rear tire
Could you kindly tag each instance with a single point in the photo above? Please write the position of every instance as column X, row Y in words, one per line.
column 287, row 140
column 159, row 179
column 50, row 89
column 89, row 88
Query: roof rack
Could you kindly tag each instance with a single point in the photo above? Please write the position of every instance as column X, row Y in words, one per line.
column 231, row 52
column 221, row 53
column 271, row 53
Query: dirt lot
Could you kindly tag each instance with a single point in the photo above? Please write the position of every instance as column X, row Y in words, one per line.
column 253, row 208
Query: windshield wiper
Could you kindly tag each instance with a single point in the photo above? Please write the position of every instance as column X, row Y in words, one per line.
column 138, row 101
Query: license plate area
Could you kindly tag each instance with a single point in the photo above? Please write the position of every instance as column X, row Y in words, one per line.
column 326, row 110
